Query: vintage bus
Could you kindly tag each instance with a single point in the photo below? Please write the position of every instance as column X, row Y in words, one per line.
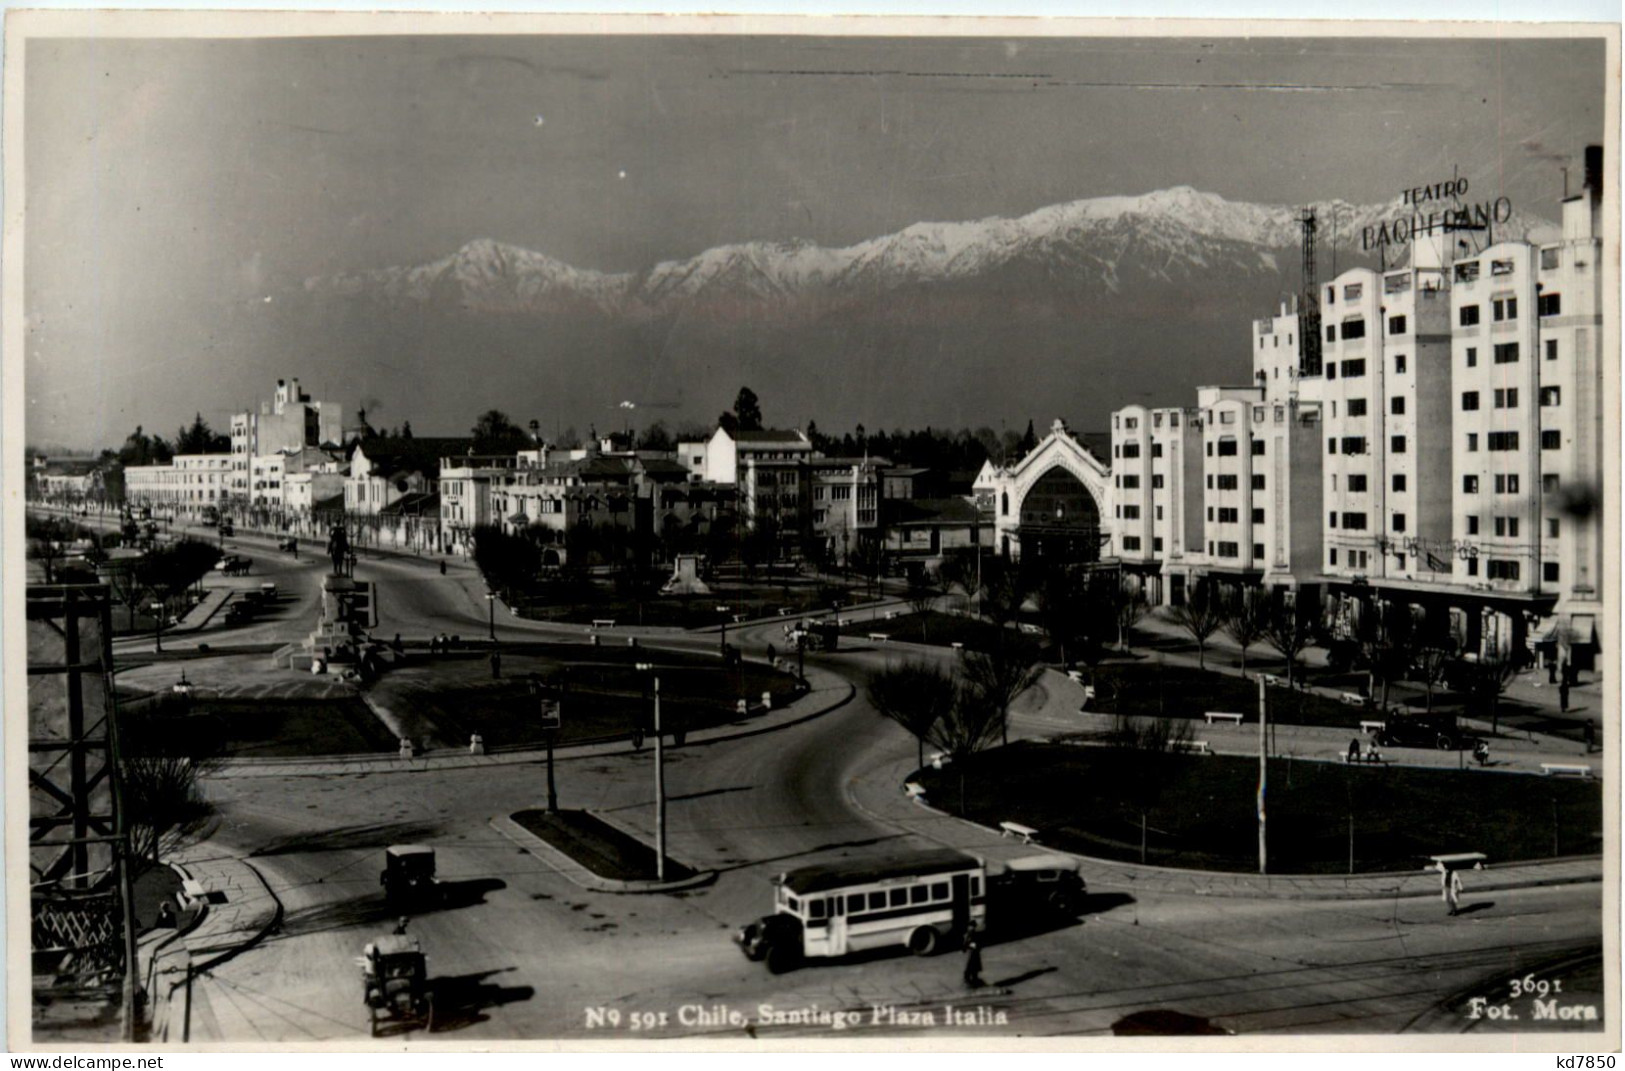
column 923, row 901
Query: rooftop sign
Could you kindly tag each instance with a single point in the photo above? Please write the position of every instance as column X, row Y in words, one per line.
column 1437, row 208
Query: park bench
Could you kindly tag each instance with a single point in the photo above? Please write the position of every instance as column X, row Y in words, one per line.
column 1200, row 747
column 914, row 790
column 740, row 617
column 880, row 637
column 957, row 645
column 891, row 615
column 1373, row 726
column 1354, row 699
column 939, row 759
column 603, row 622
column 1270, row 679
column 1368, row 757
column 1565, row 769
column 1213, row 716
column 1015, row 829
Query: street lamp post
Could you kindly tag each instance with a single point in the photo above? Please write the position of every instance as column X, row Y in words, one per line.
column 491, row 613
column 158, row 627
column 550, row 732
column 660, row 784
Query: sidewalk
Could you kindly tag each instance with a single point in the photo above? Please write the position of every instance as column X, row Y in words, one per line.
column 241, row 909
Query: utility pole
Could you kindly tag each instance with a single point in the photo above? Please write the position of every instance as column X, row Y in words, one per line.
column 1263, row 776
column 660, row 792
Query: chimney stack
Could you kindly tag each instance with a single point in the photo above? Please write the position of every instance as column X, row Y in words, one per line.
column 1594, row 170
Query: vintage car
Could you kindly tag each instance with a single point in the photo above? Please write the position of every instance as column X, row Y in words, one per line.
column 395, row 982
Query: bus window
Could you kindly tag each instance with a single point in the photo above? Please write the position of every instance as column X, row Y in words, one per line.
column 899, row 897
column 794, row 905
column 975, row 885
column 837, row 907
column 939, row 891
column 815, row 909
column 918, row 894
column 877, row 901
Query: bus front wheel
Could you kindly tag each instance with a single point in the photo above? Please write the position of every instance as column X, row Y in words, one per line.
column 923, row 941
column 780, row 959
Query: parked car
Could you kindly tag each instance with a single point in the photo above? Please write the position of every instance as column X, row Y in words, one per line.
column 1424, row 731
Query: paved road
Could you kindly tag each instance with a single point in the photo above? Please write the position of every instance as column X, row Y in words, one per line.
column 518, row 952
column 524, row 953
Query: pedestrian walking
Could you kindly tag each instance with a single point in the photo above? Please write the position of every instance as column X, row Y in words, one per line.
column 973, row 961
column 442, row 567
column 1591, row 737
column 1563, row 696
column 1354, row 750
column 1450, row 888
column 400, row 926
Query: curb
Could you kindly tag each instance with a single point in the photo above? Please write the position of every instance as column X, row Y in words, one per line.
column 563, row 864
column 1227, row 885
column 199, row 945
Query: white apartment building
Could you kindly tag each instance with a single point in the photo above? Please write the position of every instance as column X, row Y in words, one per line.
column 186, row 485
column 1446, row 448
column 289, row 422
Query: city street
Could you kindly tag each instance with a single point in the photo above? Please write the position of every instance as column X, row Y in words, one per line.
column 517, row 951
column 520, row 952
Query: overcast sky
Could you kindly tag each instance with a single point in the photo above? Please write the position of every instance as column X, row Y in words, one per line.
column 173, row 185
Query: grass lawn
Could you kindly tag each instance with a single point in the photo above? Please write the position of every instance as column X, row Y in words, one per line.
column 940, row 630
column 260, row 728
column 445, row 700
column 582, row 603
column 1148, row 689
column 599, row 847
column 1199, row 810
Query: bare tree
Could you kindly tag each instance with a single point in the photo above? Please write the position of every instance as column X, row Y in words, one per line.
column 1290, row 626
column 164, row 752
column 125, row 580
column 1432, row 657
column 1200, row 615
column 921, row 595
column 997, row 677
column 1245, row 617
column 914, row 695
column 1491, row 675
column 1384, row 633
column 970, row 723
column 1129, row 605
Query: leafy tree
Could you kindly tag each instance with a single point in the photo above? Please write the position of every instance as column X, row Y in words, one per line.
column 728, row 422
column 1200, row 615
column 199, row 438
column 1246, row 613
column 914, row 695
column 508, row 562
column 495, row 433
column 1147, row 748
column 748, row 410
column 406, row 429
column 142, row 449
column 1290, row 626
column 657, row 437
column 48, row 538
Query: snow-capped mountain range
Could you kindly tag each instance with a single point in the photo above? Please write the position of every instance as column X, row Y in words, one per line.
column 1072, row 310
column 1167, row 234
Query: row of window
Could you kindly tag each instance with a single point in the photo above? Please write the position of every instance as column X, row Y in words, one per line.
column 1550, row 397
column 1505, row 308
